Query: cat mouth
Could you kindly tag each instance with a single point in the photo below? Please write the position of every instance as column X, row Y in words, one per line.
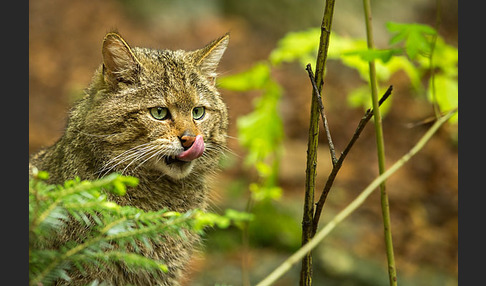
column 169, row 160
column 187, row 156
column 180, row 165
column 193, row 152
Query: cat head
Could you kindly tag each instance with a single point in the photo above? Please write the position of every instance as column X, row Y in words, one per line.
column 122, row 64
column 157, row 109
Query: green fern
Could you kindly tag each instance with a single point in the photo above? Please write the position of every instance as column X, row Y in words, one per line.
column 111, row 229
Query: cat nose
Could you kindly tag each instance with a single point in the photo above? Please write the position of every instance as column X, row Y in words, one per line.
column 187, row 140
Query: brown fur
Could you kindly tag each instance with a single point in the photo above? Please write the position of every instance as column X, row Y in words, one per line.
column 112, row 130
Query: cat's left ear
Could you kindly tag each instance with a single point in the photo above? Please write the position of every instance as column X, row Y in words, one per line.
column 208, row 58
column 119, row 62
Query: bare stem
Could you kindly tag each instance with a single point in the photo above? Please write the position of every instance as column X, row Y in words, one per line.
column 380, row 145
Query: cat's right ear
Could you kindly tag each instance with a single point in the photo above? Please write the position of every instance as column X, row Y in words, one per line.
column 119, row 62
column 207, row 58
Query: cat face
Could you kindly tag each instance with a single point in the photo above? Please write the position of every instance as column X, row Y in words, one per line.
column 158, row 109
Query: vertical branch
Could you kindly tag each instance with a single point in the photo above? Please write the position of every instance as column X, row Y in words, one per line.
column 307, row 220
column 435, row 102
column 380, row 144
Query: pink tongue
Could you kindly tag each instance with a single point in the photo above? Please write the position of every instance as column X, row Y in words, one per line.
column 195, row 151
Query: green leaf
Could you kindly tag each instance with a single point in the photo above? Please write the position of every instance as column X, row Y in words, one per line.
column 43, row 175
column 445, row 58
column 339, row 45
column 204, row 219
column 372, row 55
column 132, row 260
column 119, row 188
column 236, row 216
column 264, row 170
column 263, row 193
column 402, row 63
column 261, row 131
column 384, row 70
column 446, row 90
column 296, row 46
column 254, row 78
column 415, row 37
column 129, row 180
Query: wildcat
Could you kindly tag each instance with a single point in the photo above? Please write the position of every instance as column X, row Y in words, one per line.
column 155, row 115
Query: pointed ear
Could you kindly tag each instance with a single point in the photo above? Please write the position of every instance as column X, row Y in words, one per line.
column 119, row 62
column 208, row 57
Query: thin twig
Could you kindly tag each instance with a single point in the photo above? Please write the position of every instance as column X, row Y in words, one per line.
column 287, row 264
column 323, row 114
column 330, row 180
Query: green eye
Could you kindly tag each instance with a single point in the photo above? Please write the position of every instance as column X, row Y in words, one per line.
column 198, row 113
column 159, row 113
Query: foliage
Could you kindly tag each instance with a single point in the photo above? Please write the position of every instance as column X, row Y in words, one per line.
column 422, row 44
column 296, row 46
column 412, row 46
column 414, row 36
column 110, row 229
column 261, row 131
column 275, row 226
column 412, row 49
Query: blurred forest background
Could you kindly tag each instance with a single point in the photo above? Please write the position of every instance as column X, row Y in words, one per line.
column 65, row 49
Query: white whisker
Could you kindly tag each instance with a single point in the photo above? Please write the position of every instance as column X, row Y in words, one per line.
column 157, row 152
column 133, row 154
column 141, row 156
column 232, row 137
